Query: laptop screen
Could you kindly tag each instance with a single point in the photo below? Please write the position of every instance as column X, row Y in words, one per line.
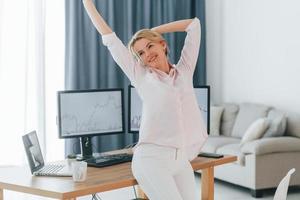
column 33, row 151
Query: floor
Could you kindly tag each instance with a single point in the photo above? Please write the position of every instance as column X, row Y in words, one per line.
column 223, row 191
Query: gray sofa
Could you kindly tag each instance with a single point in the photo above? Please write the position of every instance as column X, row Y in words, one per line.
column 264, row 161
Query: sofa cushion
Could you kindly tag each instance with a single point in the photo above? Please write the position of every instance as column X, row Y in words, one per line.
column 214, row 142
column 215, row 120
column 228, row 118
column 247, row 114
column 233, row 149
column 277, row 124
column 255, row 130
column 272, row 145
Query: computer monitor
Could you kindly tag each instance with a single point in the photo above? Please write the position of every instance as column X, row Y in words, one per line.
column 86, row 113
column 135, row 106
column 203, row 99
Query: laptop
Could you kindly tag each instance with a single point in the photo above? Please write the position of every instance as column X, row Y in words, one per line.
column 36, row 160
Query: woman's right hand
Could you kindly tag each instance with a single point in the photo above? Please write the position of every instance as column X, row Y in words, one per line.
column 96, row 18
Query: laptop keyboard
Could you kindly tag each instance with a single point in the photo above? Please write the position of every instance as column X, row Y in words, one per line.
column 50, row 169
column 108, row 160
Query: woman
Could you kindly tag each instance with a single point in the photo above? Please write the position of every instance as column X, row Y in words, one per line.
column 172, row 131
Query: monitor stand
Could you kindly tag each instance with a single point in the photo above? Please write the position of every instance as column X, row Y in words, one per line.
column 86, row 148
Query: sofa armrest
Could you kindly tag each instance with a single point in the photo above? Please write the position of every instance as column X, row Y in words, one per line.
column 271, row 145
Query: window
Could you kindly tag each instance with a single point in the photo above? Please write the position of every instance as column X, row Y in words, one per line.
column 31, row 71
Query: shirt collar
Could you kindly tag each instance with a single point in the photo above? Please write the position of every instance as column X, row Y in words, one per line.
column 163, row 74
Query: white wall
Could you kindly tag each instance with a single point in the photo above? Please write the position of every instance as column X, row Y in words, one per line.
column 253, row 51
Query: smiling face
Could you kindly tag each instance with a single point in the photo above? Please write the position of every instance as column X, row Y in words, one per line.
column 150, row 49
column 151, row 53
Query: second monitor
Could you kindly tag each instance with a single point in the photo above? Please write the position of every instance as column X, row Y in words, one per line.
column 135, row 107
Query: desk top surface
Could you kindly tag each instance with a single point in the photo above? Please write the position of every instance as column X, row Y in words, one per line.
column 98, row 179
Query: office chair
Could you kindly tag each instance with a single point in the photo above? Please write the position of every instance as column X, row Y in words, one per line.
column 281, row 191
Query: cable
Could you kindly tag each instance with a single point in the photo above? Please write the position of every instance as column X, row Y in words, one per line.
column 96, row 197
column 130, row 145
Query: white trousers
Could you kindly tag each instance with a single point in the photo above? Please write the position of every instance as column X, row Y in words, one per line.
column 163, row 173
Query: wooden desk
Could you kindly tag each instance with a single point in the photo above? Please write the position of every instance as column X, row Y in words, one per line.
column 98, row 180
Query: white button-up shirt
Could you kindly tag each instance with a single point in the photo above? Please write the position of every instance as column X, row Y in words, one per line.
column 170, row 115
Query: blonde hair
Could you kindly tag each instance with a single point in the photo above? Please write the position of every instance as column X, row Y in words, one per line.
column 149, row 34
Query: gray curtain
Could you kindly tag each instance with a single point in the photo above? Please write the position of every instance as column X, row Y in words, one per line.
column 88, row 64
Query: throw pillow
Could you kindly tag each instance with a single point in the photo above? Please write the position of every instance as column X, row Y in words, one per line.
column 248, row 113
column 215, row 119
column 277, row 124
column 228, row 118
column 293, row 124
column 255, row 130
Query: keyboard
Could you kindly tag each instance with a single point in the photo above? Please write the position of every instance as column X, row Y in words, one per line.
column 108, row 160
column 50, row 169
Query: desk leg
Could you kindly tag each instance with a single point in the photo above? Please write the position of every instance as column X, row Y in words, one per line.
column 1, row 194
column 140, row 193
column 207, row 184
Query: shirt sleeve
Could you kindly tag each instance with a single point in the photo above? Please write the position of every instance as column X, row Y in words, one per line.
column 133, row 70
column 189, row 53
